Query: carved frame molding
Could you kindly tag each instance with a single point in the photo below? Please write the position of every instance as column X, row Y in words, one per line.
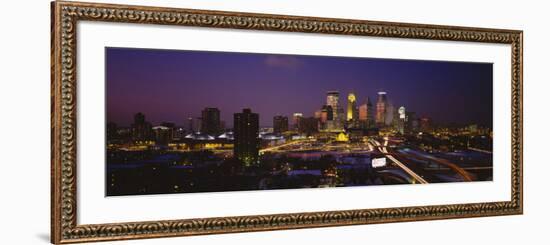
column 66, row 15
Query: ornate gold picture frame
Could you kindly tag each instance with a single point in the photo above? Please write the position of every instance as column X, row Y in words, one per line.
column 66, row 15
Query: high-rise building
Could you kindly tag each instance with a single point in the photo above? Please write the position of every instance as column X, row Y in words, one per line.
column 411, row 123
column 141, row 129
column 326, row 114
column 401, row 119
column 381, row 105
column 112, row 132
column 171, row 130
column 332, row 101
column 366, row 114
column 308, row 125
column 425, row 124
column 353, row 113
column 246, row 142
column 163, row 135
column 296, row 117
column 280, row 124
column 211, row 121
column 338, row 114
column 390, row 114
column 190, row 124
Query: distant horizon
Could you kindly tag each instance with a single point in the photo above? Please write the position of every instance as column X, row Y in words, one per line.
column 173, row 85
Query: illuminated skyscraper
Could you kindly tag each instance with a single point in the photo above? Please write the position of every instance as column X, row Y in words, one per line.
column 280, row 124
column 381, row 105
column 352, row 114
column 246, row 142
column 401, row 120
column 370, row 113
column 366, row 114
column 338, row 114
column 211, row 121
column 332, row 101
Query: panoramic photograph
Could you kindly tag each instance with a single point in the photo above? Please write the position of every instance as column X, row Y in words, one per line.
column 180, row 121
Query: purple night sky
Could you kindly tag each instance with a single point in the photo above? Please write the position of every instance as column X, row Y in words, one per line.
column 172, row 85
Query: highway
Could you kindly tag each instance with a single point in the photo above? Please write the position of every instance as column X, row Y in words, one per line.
column 382, row 148
column 463, row 173
column 275, row 148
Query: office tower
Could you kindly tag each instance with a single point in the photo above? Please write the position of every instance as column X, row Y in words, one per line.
column 141, row 129
column 363, row 112
column 338, row 114
column 211, row 121
column 425, row 124
column 296, row 117
column 112, row 132
column 308, row 126
column 352, row 114
column 280, row 124
column 366, row 114
column 326, row 114
column 163, row 135
column 411, row 123
column 246, row 142
column 390, row 114
column 370, row 113
column 401, row 120
column 381, row 105
column 171, row 130
column 332, row 101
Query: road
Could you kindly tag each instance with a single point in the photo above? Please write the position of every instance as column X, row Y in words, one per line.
column 382, row 148
column 460, row 171
column 275, row 148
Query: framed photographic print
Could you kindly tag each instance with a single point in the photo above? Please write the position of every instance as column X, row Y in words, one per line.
column 176, row 122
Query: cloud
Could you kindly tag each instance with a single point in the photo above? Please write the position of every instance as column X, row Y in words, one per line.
column 283, row 61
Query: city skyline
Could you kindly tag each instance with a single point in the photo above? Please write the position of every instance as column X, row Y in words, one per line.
column 195, row 121
column 128, row 90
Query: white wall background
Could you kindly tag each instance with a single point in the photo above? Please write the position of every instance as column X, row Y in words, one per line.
column 25, row 108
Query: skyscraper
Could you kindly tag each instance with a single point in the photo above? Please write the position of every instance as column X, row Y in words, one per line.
column 163, row 135
column 338, row 114
column 326, row 114
column 211, row 121
column 308, row 125
column 332, row 101
column 381, row 105
column 401, row 119
column 246, row 142
column 280, row 124
column 296, row 117
column 370, row 113
column 141, row 129
column 391, row 113
column 352, row 114
column 411, row 123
